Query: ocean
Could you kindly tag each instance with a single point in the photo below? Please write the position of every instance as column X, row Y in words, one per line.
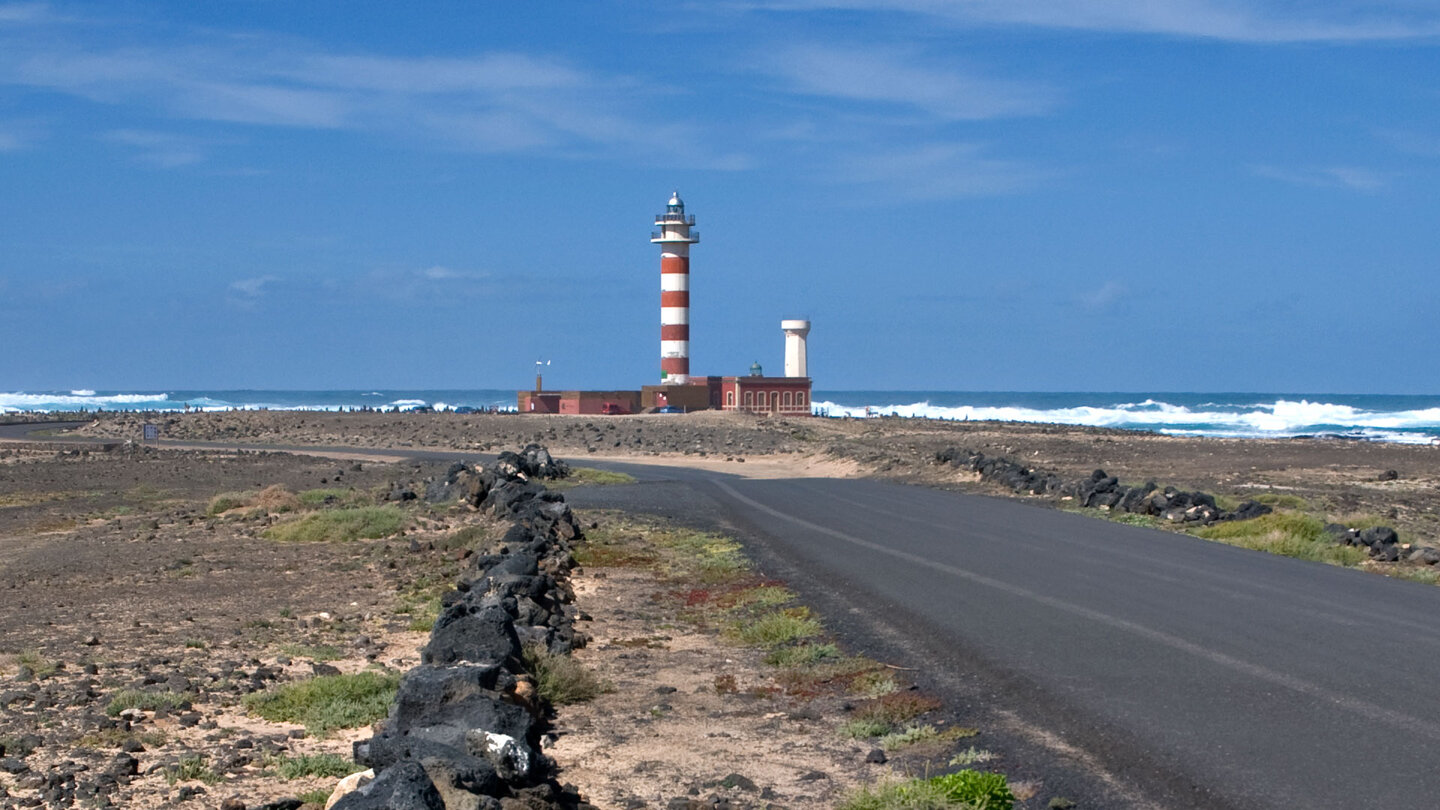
column 1373, row 417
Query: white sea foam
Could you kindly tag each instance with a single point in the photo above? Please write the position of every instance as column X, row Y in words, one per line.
column 83, row 392
column 74, row 399
column 1274, row 419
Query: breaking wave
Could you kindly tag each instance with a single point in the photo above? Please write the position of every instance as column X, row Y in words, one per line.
column 1279, row 418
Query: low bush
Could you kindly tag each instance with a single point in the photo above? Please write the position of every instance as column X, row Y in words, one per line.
column 226, row 501
column 338, row 525
column 192, row 768
column 145, row 701
column 561, row 679
column 982, row 790
column 778, row 628
column 331, row 766
column 802, row 655
column 1287, row 533
column 328, row 702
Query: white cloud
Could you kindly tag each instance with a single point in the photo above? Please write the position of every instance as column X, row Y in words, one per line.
column 252, row 288
column 1103, row 296
column 490, row 102
column 439, row 273
column 1232, row 20
column 904, row 78
column 163, row 149
column 937, row 172
column 1345, row 177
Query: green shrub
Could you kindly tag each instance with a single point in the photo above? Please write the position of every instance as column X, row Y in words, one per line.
column 1287, row 533
column 328, row 702
column 316, row 797
column 778, row 628
column 982, row 790
column 192, row 768
column 226, row 501
column 39, row 665
column 316, row 652
column 970, row 756
column 803, row 655
column 910, row 735
column 145, row 701
column 862, row 729
column 590, row 476
column 1281, row 500
column 560, row 679
column 914, row 794
column 364, row 522
column 331, row 766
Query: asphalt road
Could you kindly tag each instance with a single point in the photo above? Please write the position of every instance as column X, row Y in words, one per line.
column 1198, row 675
column 1193, row 674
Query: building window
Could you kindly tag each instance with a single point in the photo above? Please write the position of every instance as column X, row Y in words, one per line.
column 799, row 397
column 749, row 399
column 787, row 399
column 774, row 400
column 729, row 399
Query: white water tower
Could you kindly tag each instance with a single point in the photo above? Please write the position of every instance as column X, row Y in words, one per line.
column 795, row 332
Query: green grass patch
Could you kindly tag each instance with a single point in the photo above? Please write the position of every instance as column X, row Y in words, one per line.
column 974, row 790
column 39, row 665
column 329, row 702
column 339, row 525
column 888, row 714
column 330, row 766
column 317, row 797
column 588, row 477
column 908, row 736
column 1286, row 533
column 190, row 769
column 862, row 729
column 316, row 652
column 803, row 655
column 561, row 679
column 145, row 701
column 921, row 734
column 701, row 556
column 778, row 628
column 970, row 756
column 226, row 501
column 914, row 794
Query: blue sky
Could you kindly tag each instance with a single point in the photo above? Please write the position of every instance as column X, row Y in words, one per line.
column 1179, row 195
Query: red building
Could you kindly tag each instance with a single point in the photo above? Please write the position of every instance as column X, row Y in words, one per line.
column 784, row 396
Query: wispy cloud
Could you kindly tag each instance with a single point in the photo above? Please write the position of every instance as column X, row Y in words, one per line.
column 440, row 273
column 1345, row 177
column 1104, row 296
column 488, row 102
column 937, row 172
column 252, row 287
column 164, row 149
column 905, row 79
column 1415, row 143
column 1232, row 20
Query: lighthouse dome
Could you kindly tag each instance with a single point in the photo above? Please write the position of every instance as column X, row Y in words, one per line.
column 675, row 202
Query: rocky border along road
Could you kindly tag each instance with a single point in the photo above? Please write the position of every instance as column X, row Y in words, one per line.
column 466, row 726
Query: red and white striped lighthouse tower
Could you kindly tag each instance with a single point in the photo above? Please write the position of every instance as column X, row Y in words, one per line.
column 675, row 238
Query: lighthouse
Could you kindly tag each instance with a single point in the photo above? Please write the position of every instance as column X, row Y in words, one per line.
column 675, row 236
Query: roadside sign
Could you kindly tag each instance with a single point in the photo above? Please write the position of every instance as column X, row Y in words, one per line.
column 152, row 433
